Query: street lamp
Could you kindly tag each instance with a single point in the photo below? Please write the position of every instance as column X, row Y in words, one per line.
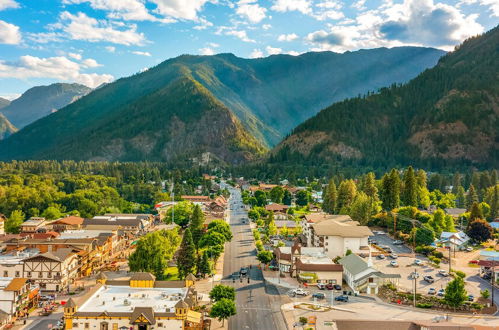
column 414, row 276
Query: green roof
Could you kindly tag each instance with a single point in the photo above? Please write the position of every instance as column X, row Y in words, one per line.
column 353, row 264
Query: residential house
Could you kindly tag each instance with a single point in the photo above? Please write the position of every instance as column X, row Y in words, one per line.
column 52, row 271
column 361, row 276
column 275, row 207
column 290, row 224
column 140, row 302
column 281, row 216
column 196, row 199
column 457, row 240
column 66, row 223
column 17, row 296
column 32, row 225
column 12, row 263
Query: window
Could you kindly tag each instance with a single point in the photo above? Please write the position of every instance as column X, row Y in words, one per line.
column 49, row 275
column 160, row 325
column 371, row 280
column 75, row 325
column 18, row 274
column 5, row 273
column 40, row 275
column 87, row 325
column 29, row 274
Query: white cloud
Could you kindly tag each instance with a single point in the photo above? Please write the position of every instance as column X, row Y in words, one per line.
column 45, row 37
column 90, row 63
column 9, row 34
column 413, row 22
column 179, row 9
column 4, row 4
column 206, row 51
column 83, row 27
column 203, row 24
column 266, row 26
column 273, row 51
column 141, row 53
column 76, row 56
column 134, row 10
column 251, row 11
column 303, row 6
column 492, row 4
column 110, row 49
column 287, row 37
column 241, row 34
column 256, row 53
column 213, row 45
column 59, row 68
column 10, row 96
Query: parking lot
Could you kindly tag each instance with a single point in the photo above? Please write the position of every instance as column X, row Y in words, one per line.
column 406, row 267
column 384, row 239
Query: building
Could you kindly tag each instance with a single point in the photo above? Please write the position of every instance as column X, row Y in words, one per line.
column 361, row 276
column 309, row 219
column 52, row 271
column 285, row 223
column 275, row 207
column 196, row 199
column 308, row 264
column 17, row 296
column 281, row 216
column 457, row 240
column 455, row 212
column 12, row 263
column 337, row 235
column 3, row 219
column 133, row 224
column 67, row 223
column 138, row 303
column 32, row 225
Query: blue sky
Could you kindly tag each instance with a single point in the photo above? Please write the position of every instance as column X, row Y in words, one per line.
column 96, row 41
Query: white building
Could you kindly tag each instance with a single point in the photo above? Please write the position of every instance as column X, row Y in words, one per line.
column 336, row 234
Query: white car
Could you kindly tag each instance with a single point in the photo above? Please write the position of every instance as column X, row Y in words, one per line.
column 393, row 263
column 393, row 256
column 443, row 273
column 418, row 262
column 299, row 292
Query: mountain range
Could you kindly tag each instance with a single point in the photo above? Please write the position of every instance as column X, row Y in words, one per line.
column 446, row 116
column 151, row 116
column 4, row 102
column 40, row 101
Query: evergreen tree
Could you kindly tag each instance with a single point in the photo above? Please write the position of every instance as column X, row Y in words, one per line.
column 493, row 177
column 330, row 198
column 410, row 188
column 449, row 225
column 390, row 184
column 287, row 198
column 204, row 267
column 475, row 212
column 276, row 194
column 472, row 197
column 460, row 197
column 492, row 198
column 186, row 259
column 196, row 224
column 456, row 182
column 346, row 195
column 421, row 178
column 361, row 209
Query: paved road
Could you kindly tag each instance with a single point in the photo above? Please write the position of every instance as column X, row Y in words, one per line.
column 258, row 305
column 384, row 239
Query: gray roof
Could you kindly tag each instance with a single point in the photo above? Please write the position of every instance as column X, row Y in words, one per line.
column 378, row 274
column 353, row 264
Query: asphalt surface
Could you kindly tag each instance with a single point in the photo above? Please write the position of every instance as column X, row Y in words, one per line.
column 384, row 239
column 258, row 305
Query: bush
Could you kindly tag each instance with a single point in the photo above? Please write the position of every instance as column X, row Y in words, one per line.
column 485, row 294
column 435, row 260
column 303, row 320
column 460, row 274
column 477, row 306
column 424, row 305
column 437, row 254
column 424, row 249
column 390, row 286
column 259, row 245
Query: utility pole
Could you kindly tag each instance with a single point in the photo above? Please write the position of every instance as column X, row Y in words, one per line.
column 450, row 246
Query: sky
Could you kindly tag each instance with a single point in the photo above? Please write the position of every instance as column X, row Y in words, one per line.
column 97, row 41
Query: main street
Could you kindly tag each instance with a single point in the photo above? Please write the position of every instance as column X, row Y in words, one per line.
column 258, row 305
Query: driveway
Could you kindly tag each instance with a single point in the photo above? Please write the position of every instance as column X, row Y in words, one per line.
column 384, row 239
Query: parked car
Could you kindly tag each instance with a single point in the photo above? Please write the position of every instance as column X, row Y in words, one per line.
column 330, row 286
column 418, row 262
column 393, row 263
column 432, row 291
column 235, row 275
column 398, row 242
column 373, row 241
column 318, row 295
column 441, row 293
column 443, row 273
column 469, row 249
column 471, row 297
column 474, row 262
column 243, row 271
column 429, row 279
column 487, row 276
column 381, row 256
column 341, row 298
column 299, row 292
column 321, row 286
column 393, row 256
column 337, row 287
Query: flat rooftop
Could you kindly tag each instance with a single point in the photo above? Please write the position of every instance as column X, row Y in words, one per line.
column 112, row 298
column 84, row 233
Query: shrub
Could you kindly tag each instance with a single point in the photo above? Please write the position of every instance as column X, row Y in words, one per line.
column 477, row 306
column 303, row 320
column 460, row 274
column 424, row 249
column 435, row 260
column 259, row 245
column 485, row 294
column 437, row 254
column 424, row 305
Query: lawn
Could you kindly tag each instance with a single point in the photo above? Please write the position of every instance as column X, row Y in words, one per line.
column 171, row 274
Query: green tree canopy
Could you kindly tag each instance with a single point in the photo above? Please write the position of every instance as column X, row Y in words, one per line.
column 180, row 213
column 14, row 222
column 276, row 194
column 196, row 225
column 223, row 309
column 265, row 257
column 186, row 259
column 220, row 291
column 222, row 227
column 455, row 293
column 480, row 231
column 303, row 197
column 410, row 194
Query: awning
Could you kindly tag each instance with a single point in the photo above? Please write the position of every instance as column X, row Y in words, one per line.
column 193, row 317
